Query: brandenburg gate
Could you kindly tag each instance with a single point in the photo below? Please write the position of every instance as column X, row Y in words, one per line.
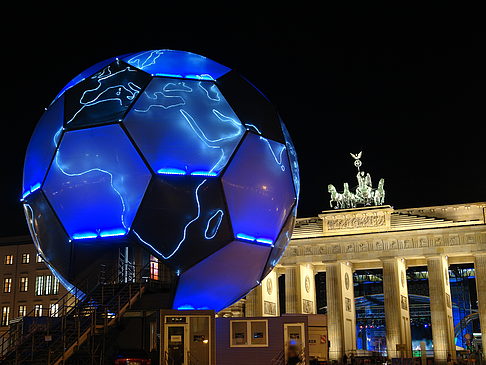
column 340, row 241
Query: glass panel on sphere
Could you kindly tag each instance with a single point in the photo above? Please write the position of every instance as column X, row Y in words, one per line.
column 259, row 189
column 103, row 97
column 294, row 164
column 172, row 63
column 194, row 209
column 96, row 182
column 281, row 243
column 255, row 111
column 49, row 237
column 184, row 127
column 222, row 278
column 42, row 146
column 86, row 73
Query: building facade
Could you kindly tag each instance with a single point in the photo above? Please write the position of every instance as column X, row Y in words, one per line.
column 27, row 286
column 342, row 241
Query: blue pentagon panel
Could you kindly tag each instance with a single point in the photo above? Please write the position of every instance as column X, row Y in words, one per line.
column 48, row 235
column 103, row 97
column 223, row 278
column 259, row 189
column 184, row 127
column 42, row 146
column 96, row 182
column 251, row 106
column 294, row 164
column 180, row 64
column 281, row 243
column 194, row 209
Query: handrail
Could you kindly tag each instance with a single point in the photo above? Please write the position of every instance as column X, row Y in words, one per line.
column 278, row 359
column 73, row 303
column 302, row 355
column 74, row 294
column 103, row 308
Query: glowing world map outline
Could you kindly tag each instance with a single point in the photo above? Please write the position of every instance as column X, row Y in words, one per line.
column 163, row 134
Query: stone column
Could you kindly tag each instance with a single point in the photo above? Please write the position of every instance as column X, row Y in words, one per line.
column 263, row 300
column 300, row 289
column 341, row 316
column 397, row 315
column 480, row 271
column 251, row 304
column 441, row 308
column 291, row 290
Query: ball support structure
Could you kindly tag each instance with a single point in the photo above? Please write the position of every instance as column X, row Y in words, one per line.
column 170, row 152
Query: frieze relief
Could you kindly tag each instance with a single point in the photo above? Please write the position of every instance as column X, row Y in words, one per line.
column 390, row 244
column 354, row 222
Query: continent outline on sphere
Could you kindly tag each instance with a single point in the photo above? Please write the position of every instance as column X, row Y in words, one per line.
column 220, row 215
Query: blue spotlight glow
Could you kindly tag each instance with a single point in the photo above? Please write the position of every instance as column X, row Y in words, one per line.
column 113, row 233
column 204, row 173
column 168, row 75
column 265, row 241
column 84, row 236
column 247, row 237
column 171, row 171
column 32, row 189
column 35, row 187
column 185, row 307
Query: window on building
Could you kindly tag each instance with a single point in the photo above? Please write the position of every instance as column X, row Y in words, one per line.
column 24, row 283
column 25, row 258
column 249, row 333
column 39, row 258
column 154, row 268
column 8, row 260
column 46, row 285
column 38, row 310
column 5, row 316
column 39, row 285
column 22, row 310
column 7, row 285
column 54, row 310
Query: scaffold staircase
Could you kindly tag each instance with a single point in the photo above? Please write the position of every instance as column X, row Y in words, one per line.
column 79, row 324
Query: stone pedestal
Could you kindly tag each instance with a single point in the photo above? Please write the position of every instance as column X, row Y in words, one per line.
column 300, row 290
column 480, row 270
column 397, row 315
column 341, row 316
column 441, row 309
column 263, row 300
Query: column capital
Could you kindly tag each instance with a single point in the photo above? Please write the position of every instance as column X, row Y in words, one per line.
column 392, row 258
column 335, row 262
column 436, row 256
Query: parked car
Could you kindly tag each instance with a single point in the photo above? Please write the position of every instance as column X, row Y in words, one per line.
column 133, row 357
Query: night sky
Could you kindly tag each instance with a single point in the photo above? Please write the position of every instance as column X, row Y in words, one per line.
column 409, row 93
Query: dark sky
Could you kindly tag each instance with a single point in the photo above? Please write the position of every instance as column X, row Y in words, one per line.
column 408, row 91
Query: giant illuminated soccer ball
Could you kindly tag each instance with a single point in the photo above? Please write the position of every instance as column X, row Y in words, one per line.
column 171, row 152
